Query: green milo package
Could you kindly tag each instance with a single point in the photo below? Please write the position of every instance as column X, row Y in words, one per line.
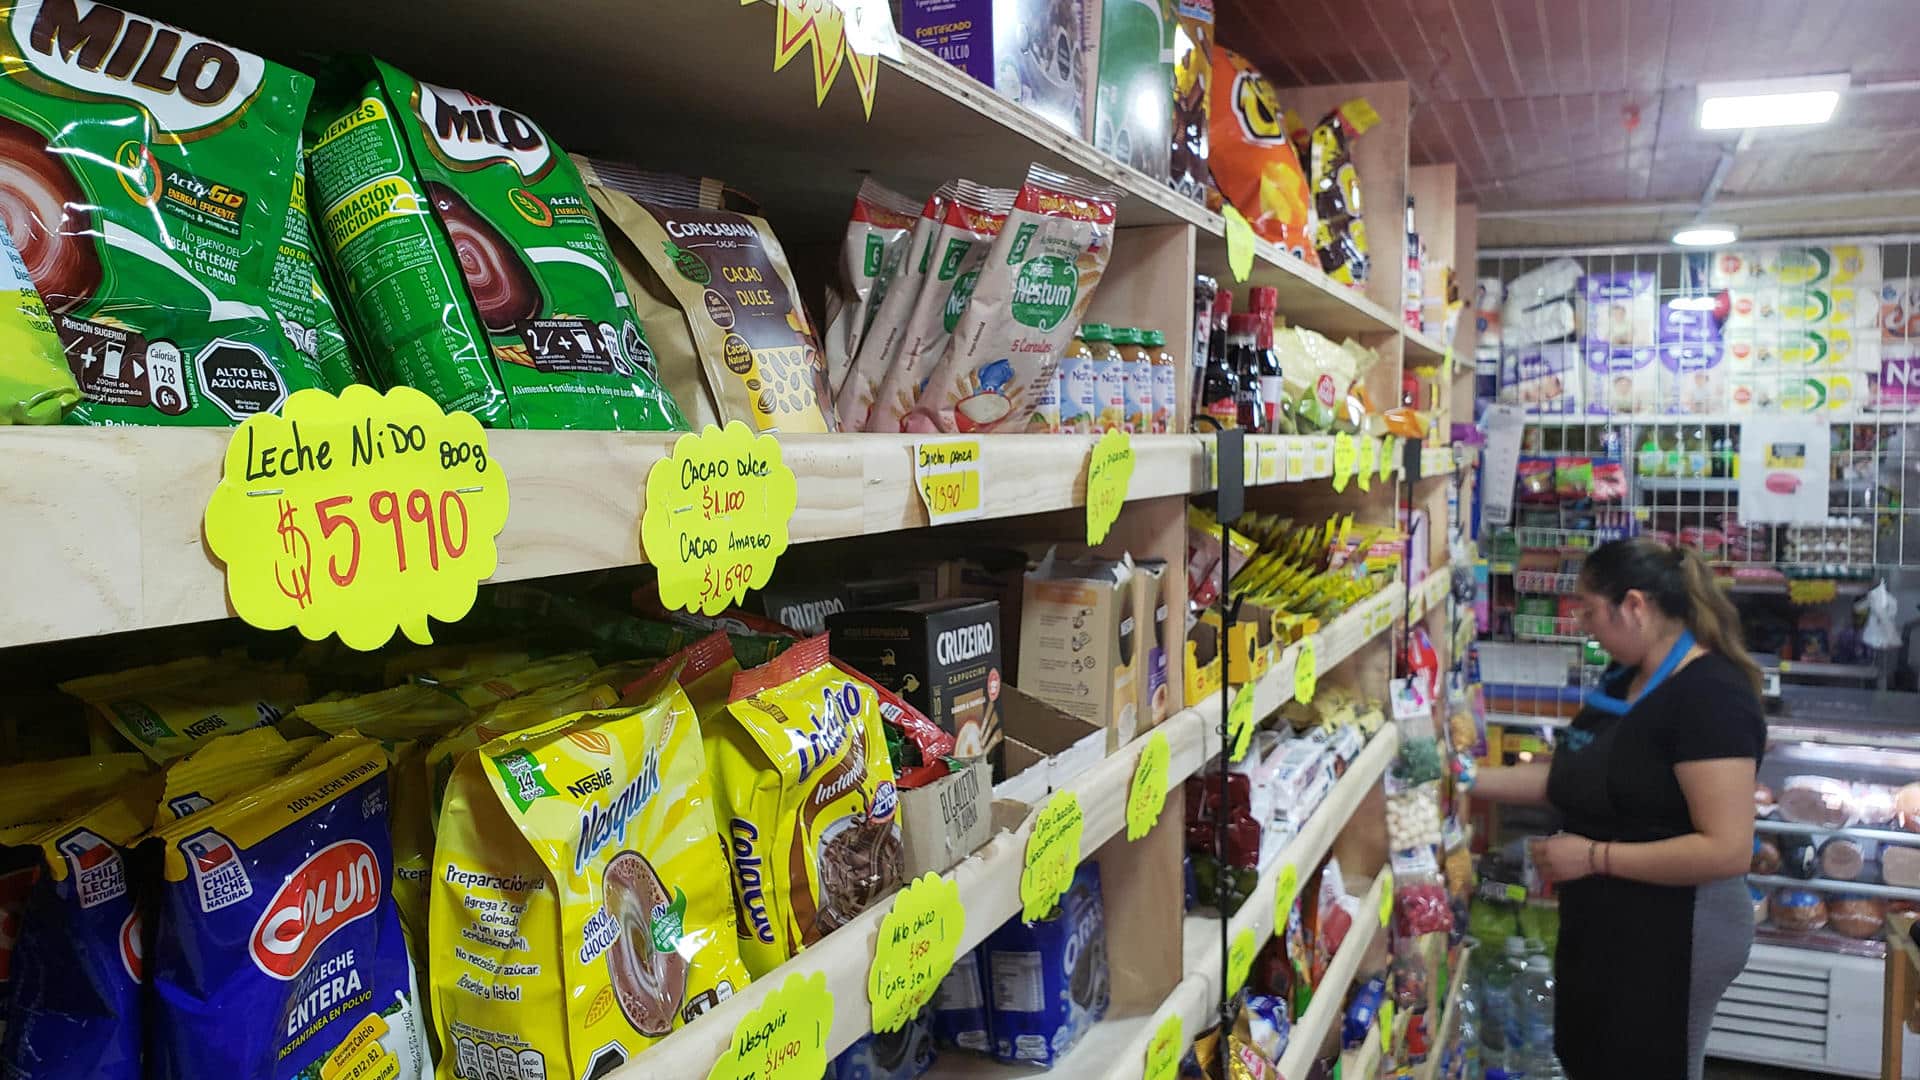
column 301, row 300
column 472, row 260
column 145, row 175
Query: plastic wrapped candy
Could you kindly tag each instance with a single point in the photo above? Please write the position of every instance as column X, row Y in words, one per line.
column 1253, row 163
column 1340, row 236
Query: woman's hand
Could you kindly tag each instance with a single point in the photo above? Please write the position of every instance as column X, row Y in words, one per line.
column 1565, row 857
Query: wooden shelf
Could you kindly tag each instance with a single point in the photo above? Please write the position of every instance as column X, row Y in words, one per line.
column 1423, row 350
column 1449, row 1016
column 1363, row 1062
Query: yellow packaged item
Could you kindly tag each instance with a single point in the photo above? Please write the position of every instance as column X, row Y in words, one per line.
column 167, row 710
column 407, row 712
column 450, row 663
column 226, row 766
column 805, row 791
column 537, row 706
column 476, row 691
column 40, row 791
column 704, row 669
column 580, row 904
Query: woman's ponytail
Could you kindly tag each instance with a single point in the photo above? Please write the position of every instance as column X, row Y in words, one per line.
column 1712, row 617
column 1678, row 582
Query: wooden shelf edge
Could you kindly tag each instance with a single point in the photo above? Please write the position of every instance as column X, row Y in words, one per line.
column 1329, row 998
column 1437, row 1043
column 1363, row 1063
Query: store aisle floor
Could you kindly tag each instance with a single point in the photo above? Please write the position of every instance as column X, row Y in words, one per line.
column 1740, row 1070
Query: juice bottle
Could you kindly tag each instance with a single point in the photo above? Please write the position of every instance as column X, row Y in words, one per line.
column 1137, row 365
column 1077, row 387
column 1165, row 389
column 1110, row 380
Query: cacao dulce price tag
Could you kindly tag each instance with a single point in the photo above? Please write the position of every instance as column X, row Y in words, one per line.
column 1053, row 853
column 918, row 939
column 952, row 479
column 716, row 517
column 1109, row 471
column 785, row 1038
column 356, row 515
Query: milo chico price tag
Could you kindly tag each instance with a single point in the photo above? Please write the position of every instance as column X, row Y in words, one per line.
column 1109, row 471
column 914, row 950
column 716, row 517
column 356, row 515
column 785, row 1038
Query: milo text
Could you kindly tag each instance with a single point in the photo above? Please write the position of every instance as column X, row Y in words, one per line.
column 184, row 80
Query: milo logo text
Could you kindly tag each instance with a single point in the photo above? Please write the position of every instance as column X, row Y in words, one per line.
column 749, row 882
column 603, row 825
column 183, row 80
column 336, row 886
column 469, row 132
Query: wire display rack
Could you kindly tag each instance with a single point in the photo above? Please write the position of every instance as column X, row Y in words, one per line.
column 1544, row 581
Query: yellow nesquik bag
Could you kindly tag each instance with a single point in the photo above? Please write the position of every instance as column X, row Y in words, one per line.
column 537, row 706
column 167, row 710
column 580, row 905
column 804, row 790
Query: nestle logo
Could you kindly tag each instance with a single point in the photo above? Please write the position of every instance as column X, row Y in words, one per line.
column 592, row 782
column 336, row 886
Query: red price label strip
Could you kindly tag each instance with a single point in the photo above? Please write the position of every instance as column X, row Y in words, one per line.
column 716, row 517
column 357, row 515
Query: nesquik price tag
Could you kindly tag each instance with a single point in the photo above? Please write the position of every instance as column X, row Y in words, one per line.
column 785, row 1038
column 716, row 517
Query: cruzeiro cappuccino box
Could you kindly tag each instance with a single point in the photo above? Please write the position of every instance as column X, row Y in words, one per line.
column 941, row 656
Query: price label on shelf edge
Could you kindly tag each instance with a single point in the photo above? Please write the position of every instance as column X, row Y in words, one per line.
column 1239, row 243
column 1148, row 794
column 914, row 949
column 1346, row 458
column 785, row 1038
column 1386, row 897
column 1240, row 959
column 1240, row 723
column 716, row 517
column 1286, row 889
column 1306, row 672
column 1109, row 471
column 1369, row 449
column 357, row 515
column 951, row 476
column 1053, row 852
column 1164, row 1050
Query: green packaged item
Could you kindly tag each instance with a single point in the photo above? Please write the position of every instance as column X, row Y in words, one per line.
column 474, row 266
column 35, row 385
column 300, row 299
column 146, row 172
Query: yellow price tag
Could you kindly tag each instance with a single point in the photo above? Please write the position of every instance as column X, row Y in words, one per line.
column 1273, row 464
column 1053, row 852
column 1363, row 467
column 1322, row 449
column 1240, row 960
column 716, row 517
column 1297, row 451
column 1164, row 1050
column 1109, row 471
column 1389, row 456
column 1240, row 722
column 1386, row 1027
column 918, row 939
column 1286, row 888
column 1386, row 897
column 951, row 477
column 356, row 515
column 785, row 1038
column 1306, row 672
column 1239, row 243
column 1345, row 459
column 1148, row 795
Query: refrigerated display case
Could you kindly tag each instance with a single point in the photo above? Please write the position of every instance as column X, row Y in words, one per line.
column 1836, row 844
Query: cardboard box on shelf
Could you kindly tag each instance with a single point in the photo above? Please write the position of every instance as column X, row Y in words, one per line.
column 995, row 574
column 1153, row 614
column 1045, row 747
column 947, row 820
column 803, row 608
column 1033, row 52
column 1201, row 670
column 1079, row 642
column 941, row 656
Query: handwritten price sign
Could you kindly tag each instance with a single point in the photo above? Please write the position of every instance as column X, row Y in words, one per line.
column 1363, row 468
column 1345, row 457
column 1306, row 672
column 716, row 517
column 1164, row 1050
column 1240, row 723
column 1240, row 960
column 1109, row 471
column 1053, row 852
column 785, row 1038
column 1148, row 795
column 1285, row 888
column 918, row 939
column 356, row 515
column 952, row 479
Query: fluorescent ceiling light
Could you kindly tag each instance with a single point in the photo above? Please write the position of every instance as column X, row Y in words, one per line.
column 1755, row 103
column 1693, row 303
column 1701, row 235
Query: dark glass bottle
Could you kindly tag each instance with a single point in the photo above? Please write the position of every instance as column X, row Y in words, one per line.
column 1219, row 403
column 1244, row 359
column 1265, row 301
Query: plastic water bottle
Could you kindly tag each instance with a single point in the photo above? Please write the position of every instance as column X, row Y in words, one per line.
column 1468, row 1028
column 1495, row 1009
column 1530, row 1034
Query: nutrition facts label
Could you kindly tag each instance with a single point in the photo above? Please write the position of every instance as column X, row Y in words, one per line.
column 482, row 1061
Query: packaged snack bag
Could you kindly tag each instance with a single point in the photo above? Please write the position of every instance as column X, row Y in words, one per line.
column 144, row 191
column 1033, row 292
column 724, row 275
column 870, row 259
column 579, row 872
column 301, row 301
column 475, row 267
column 1339, row 234
column 1253, row 163
column 805, row 793
column 169, row 709
column 1192, row 99
column 1049, row 978
column 409, row 711
column 852, row 399
column 970, row 221
column 447, row 662
column 538, row 706
column 276, row 905
column 226, row 766
column 35, row 385
column 476, row 691
column 75, row 1005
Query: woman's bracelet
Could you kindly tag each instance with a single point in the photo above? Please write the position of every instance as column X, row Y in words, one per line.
column 1592, row 866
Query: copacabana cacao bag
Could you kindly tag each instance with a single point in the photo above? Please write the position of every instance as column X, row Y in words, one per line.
column 580, row 904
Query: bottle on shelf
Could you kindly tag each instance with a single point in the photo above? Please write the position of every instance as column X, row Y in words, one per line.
column 1265, row 303
column 1496, row 1008
column 1165, row 395
column 1078, row 387
column 1252, row 410
column 1411, row 287
column 1137, row 364
column 1218, row 404
column 1467, row 1028
column 1649, row 459
column 1109, row 378
column 1699, row 454
column 1530, row 1031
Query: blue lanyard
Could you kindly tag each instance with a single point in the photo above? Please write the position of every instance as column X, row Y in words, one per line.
column 1613, row 706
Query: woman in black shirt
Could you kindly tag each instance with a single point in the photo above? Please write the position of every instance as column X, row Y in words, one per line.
column 1654, row 784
